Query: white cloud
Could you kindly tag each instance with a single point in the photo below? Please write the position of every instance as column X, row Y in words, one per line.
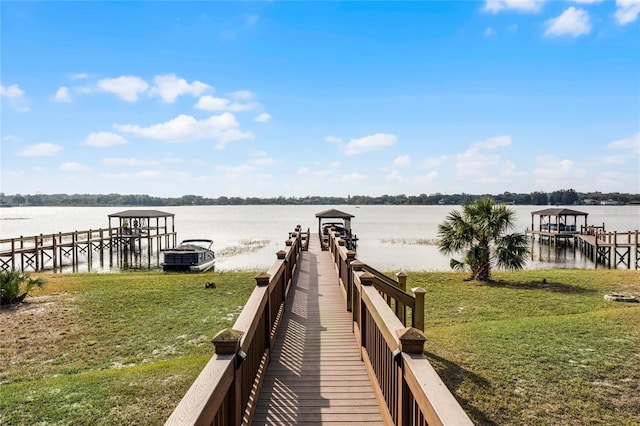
column 126, row 87
column 260, row 158
column 627, row 11
column 493, row 143
column 211, row 103
column 489, row 32
column 632, row 144
column 303, row 170
column 149, row 174
column 263, row 118
column 169, row 87
column 10, row 138
column 62, row 95
column 130, row 162
column 242, row 95
column 552, row 174
column 104, row 139
column 428, row 178
column 17, row 97
column 353, row 177
column 145, row 174
column 402, row 160
column 235, row 172
column 74, row 167
column 369, row 143
column 496, row 6
column 332, row 139
column 79, row 76
column 572, row 22
column 81, row 89
column 476, row 165
column 184, row 128
column 265, row 161
column 586, row 1
column 614, row 159
column 550, row 169
column 430, row 162
column 335, row 164
column 42, row 149
column 395, row 176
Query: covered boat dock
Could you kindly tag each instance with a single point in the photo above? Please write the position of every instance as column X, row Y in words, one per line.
column 326, row 220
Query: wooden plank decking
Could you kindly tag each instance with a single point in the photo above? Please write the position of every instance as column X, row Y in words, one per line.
column 316, row 375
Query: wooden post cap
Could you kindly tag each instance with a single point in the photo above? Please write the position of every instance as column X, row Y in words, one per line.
column 262, row 279
column 294, row 234
column 401, row 275
column 281, row 254
column 351, row 255
column 357, row 265
column 341, row 242
column 418, row 290
column 227, row 341
column 411, row 340
column 366, row 278
column 288, row 243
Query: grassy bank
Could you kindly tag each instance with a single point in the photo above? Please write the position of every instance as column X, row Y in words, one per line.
column 123, row 348
column 112, row 348
column 525, row 351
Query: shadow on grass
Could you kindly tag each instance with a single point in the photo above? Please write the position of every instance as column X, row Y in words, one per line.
column 539, row 285
column 453, row 375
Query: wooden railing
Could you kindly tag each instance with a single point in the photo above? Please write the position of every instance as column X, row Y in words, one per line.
column 305, row 236
column 227, row 389
column 409, row 390
column 49, row 249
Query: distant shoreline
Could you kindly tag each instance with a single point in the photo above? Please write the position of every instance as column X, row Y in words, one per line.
column 538, row 198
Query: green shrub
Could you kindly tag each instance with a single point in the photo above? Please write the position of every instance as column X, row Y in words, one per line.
column 16, row 285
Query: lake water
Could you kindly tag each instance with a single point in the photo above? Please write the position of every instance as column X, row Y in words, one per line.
column 391, row 238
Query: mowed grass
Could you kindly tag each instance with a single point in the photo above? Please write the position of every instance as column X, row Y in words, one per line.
column 124, row 348
column 537, row 347
column 112, row 348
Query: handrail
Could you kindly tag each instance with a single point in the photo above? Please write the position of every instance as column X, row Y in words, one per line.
column 68, row 239
column 408, row 388
column 225, row 392
column 393, row 291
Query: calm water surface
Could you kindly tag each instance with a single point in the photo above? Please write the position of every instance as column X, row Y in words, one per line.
column 391, row 238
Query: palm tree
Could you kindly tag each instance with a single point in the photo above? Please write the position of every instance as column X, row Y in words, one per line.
column 16, row 285
column 479, row 231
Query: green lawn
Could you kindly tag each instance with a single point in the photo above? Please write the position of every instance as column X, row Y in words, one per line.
column 112, row 348
column 520, row 351
column 124, row 348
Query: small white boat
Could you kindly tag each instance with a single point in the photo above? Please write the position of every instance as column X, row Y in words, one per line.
column 190, row 255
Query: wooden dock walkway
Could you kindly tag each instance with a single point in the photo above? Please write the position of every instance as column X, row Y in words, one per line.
column 318, row 343
column 316, row 375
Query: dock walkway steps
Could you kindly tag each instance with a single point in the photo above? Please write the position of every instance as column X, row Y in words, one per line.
column 315, row 375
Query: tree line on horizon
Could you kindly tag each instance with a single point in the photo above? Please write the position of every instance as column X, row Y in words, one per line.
column 560, row 197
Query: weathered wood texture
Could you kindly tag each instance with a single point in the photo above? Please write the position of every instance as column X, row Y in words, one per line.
column 316, row 375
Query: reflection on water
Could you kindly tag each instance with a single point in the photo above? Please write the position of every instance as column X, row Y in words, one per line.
column 391, row 238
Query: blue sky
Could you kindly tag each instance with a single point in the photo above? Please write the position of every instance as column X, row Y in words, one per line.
column 320, row 98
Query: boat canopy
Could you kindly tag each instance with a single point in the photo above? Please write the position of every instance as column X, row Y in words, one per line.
column 335, row 214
